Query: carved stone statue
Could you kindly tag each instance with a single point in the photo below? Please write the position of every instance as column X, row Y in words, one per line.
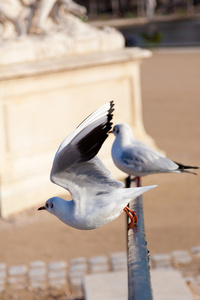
column 10, row 11
column 49, row 28
column 53, row 8
column 35, row 13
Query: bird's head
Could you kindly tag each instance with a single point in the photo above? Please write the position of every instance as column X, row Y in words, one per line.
column 121, row 130
column 49, row 206
column 60, row 208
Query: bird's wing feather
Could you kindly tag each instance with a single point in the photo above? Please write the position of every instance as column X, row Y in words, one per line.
column 86, row 177
column 146, row 160
column 97, row 115
column 86, row 140
column 75, row 166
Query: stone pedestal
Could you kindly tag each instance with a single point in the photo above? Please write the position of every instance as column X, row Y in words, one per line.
column 42, row 102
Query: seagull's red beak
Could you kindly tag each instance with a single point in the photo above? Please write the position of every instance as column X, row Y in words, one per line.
column 42, row 207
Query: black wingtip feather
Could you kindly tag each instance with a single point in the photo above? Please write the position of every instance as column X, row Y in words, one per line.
column 183, row 168
column 90, row 145
column 110, row 111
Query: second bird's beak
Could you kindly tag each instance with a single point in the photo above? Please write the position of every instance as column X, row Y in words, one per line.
column 42, row 207
column 110, row 131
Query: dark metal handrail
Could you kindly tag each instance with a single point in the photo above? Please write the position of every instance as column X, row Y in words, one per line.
column 139, row 281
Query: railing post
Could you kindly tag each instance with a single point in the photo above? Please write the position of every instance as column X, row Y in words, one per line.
column 139, row 282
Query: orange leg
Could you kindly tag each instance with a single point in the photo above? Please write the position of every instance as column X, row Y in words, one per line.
column 132, row 215
column 138, row 181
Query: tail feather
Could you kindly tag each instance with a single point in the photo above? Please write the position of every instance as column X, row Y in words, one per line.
column 184, row 171
column 183, row 168
column 129, row 194
column 126, row 195
column 137, row 191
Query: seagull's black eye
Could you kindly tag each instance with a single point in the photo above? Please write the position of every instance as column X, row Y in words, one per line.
column 51, row 205
column 116, row 129
column 47, row 205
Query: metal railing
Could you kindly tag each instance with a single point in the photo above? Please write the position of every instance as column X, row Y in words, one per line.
column 139, row 281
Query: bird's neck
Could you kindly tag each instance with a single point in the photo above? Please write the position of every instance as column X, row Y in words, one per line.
column 64, row 210
column 122, row 142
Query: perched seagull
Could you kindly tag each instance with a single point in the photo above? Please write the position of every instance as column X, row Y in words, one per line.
column 136, row 158
column 97, row 197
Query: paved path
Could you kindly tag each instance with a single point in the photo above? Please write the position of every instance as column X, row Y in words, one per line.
column 166, row 285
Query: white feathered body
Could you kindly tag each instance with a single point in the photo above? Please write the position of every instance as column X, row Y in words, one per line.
column 137, row 158
column 96, row 211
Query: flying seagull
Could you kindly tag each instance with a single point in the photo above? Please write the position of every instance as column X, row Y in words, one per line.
column 97, row 197
column 136, row 158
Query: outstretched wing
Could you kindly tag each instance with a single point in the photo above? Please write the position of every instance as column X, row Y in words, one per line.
column 86, row 140
column 86, row 178
column 75, row 166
